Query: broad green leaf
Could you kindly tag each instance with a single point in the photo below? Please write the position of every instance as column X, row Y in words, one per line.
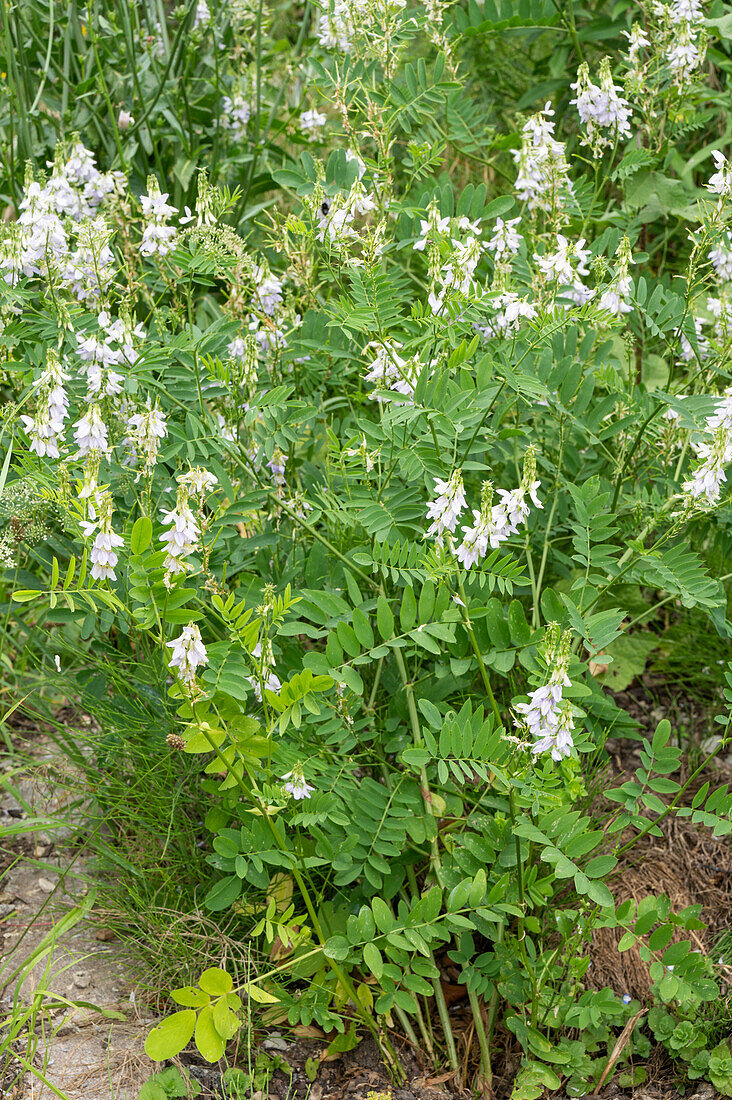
column 170, row 1036
column 384, row 619
column 372, row 958
column 141, row 536
column 261, row 996
column 408, row 613
column 189, row 996
column 209, row 1043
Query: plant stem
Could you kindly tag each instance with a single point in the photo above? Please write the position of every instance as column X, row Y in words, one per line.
column 478, row 655
column 480, row 1031
column 521, row 930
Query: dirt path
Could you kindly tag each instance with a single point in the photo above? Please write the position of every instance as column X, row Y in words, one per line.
column 84, row 1034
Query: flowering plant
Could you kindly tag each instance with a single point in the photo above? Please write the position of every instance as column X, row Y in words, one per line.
column 266, row 436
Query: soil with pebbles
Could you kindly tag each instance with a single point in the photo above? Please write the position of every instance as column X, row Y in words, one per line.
column 88, row 1037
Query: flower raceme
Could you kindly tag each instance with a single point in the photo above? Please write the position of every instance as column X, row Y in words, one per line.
column 546, row 716
column 715, row 452
column 103, row 554
column 493, row 523
column 157, row 235
column 445, row 510
column 45, row 427
column 184, row 529
column 188, row 653
column 295, row 784
column 147, row 428
column 604, row 113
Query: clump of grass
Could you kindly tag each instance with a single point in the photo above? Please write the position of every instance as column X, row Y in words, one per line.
column 139, row 811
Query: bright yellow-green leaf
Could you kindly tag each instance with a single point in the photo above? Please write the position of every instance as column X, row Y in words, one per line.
column 216, row 981
column 171, row 1036
column 208, row 1041
column 261, row 995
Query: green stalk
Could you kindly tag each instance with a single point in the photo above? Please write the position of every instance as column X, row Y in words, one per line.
column 51, row 28
column 478, row 655
column 435, row 862
column 105, row 92
column 408, row 1029
column 14, row 81
column 480, row 1031
column 549, row 521
column 273, row 112
column 521, row 929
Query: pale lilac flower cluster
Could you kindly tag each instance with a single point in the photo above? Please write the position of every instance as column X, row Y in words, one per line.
column 90, row 432
column 494, row 523
column 604, row 114
column 236, row 112
column 202, row 15
column 58, row 235
column 157, row 236
column 686, row 43
column 341, row 22
column 277, row 465
column 616, row 297
column 267, row 678
column 704, row 487
column 457, row 276
column 390, row 371
column 511, row 309
column 45, row 427
column 188, row 653
column 721, row 259
column 335, row 25
column 146, row 430
column 295, row 784
column 720, row 182
column 336, row 216
column 433, row 228
column 674, row 36
column 113, row 345
column 721, row 309
column 567, row 266
column 701, row 351
column 89, row 268
column 183, row 535
column 546, row 716
column 447, row 507
column 268, row 292
column 638, row 41
column 103, row 554
column 311, row 124
column 542, row 180
column 506, row 239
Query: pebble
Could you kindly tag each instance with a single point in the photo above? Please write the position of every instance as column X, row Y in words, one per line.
column 46, row 886
column 82, row 979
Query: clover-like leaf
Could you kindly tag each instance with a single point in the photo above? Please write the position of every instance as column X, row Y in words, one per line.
column 171, row 1035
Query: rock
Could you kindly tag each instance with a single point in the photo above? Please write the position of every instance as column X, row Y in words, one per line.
column 104, row 934
column 82, row 979
column 275, row 1042
column 45, row 885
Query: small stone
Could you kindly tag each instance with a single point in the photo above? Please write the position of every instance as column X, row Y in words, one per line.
column 82, row 979
column 104, row 934
column 46, row 886
column 275, row 1042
